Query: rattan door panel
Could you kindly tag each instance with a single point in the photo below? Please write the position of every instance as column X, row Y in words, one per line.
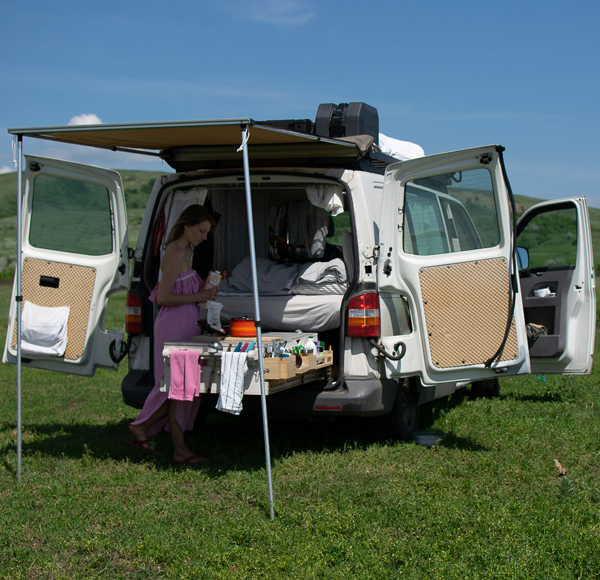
column 466, row 309
column 75, row 288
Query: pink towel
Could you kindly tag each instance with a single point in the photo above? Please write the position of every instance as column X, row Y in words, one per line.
column 185, row 375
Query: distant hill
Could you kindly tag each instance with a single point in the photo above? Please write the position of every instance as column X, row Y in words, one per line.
column 137, row 185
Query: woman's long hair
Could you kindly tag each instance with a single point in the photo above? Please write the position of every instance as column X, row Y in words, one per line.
column 190, row 216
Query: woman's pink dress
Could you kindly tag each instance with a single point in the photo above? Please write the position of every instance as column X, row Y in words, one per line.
column 172, row 323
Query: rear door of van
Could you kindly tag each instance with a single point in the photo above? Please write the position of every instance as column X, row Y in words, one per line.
column 556, row 271
column 446, row 248
column 74, row 256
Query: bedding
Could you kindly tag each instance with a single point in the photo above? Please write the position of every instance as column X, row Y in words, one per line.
column 284, row 313
column 320, row 278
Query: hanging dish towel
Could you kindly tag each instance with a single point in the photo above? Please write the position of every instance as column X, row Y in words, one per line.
column 44, row 329
column 234, row 366
column 185, row 375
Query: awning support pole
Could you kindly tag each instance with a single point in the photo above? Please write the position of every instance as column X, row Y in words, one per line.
column 19, row 297
column 263, row 397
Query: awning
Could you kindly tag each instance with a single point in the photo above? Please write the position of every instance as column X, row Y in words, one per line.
column 190, row 145
column 232, row 134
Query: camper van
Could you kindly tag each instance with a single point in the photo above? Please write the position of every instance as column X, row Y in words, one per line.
column 410, row 276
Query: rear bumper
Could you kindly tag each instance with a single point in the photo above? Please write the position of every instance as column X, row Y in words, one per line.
column 356, row 397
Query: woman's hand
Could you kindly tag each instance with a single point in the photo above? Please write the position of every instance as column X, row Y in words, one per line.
column 207, row 294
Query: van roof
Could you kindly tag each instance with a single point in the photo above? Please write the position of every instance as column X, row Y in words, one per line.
column 192, row 145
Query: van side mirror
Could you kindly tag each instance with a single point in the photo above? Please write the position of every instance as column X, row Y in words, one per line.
column 522, row 257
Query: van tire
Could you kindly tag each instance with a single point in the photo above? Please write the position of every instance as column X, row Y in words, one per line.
column 485, row 389
column 403, row 420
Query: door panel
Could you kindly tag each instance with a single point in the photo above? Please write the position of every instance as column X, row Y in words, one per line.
column 74, row 253
column 446, row 249
column 72, row 286
column 457, row 337
column 557, row 284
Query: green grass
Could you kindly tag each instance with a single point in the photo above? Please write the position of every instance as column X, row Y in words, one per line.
column 487, row 503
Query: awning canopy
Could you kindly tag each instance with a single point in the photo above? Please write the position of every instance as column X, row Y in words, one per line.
column 153, row 138
column 190, row 145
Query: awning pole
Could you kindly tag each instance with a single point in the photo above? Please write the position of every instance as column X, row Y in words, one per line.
column 263, row 397
column 19, row 298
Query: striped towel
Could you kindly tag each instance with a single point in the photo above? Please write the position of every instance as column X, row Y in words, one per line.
column 234, row 366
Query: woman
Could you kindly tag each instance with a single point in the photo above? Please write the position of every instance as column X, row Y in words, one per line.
column 178, row 293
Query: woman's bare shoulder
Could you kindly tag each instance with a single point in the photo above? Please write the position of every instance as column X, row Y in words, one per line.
column 173, row 259
column 174, row 251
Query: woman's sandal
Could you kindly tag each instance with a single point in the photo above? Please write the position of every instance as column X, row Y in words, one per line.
column 192, row 460
column 142, row 444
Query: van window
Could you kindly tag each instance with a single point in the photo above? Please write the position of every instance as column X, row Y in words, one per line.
column 551, row 238
column 72, row 216
column 452, row 212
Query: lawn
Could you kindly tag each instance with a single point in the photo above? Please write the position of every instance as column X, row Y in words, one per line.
column 489, row 502
column 512, row 492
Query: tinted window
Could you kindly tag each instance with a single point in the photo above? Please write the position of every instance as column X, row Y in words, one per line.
column 424, row 224
column 70, row 216
column 452, row 212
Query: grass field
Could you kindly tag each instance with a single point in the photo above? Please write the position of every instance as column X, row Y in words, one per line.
column 489, row 502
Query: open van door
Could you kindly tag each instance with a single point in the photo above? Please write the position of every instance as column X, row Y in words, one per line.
column 446, row 251
column 556, row 271
column 74, row 256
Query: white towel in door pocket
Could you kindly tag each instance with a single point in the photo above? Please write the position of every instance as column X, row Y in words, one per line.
column 44, row 329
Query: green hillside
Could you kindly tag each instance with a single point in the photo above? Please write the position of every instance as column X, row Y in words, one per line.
column 137, row 185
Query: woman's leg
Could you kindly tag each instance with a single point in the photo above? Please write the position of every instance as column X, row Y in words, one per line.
column 140, row 430
column 181, row 453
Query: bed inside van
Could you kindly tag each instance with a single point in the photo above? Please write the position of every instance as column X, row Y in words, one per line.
column 304, row 261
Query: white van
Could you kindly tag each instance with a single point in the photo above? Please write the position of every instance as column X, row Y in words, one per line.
column 406, row 271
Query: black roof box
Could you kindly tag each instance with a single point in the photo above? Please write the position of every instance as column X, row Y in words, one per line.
column 346, row 119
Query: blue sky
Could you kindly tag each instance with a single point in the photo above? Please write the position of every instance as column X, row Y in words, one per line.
column 446, row 75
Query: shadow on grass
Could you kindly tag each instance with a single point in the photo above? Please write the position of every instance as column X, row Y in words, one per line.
column 454, row 442
column 231, row 443
column 543, row 398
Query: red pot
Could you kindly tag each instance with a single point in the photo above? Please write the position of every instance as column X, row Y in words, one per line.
column 242, row 327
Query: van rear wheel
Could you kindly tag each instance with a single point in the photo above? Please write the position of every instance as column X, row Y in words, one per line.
column 485, row 389
column 403, row 420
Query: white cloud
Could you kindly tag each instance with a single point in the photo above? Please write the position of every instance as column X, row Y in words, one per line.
column 280, row 12
column 85, row 119
column 6, row 169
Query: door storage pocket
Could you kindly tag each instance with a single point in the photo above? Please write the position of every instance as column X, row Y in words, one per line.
column 44, row 329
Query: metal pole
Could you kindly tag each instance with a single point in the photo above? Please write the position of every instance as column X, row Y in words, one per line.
column 18, row 299
column 263, row 397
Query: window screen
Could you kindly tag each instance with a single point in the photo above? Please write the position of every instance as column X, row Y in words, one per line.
column 72, row 216
column 452, row 212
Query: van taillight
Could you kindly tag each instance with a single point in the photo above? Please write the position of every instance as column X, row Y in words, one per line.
column 363, row 316
column 133, row 314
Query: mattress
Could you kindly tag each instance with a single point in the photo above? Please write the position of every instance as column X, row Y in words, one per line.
column 289, row 312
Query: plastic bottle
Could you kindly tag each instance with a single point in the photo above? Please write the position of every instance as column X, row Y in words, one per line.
column 310, row 347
